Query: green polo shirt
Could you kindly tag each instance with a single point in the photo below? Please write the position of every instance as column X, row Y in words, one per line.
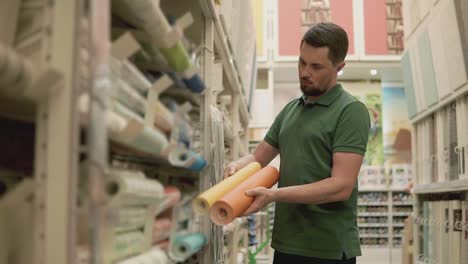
column 307, row 134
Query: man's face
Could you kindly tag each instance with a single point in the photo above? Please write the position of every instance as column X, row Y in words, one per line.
column 316, row 72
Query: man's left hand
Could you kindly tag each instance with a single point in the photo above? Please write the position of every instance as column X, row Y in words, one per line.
column 262, row 196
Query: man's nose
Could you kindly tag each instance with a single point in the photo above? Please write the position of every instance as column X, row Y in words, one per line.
column 304, row 72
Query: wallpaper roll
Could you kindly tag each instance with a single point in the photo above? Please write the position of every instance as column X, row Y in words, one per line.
column 128, row 96
column 173, row 197
column 133, row 188
column 126, row 127
column 195, row 83
column 177, row 57
column 124, row 112
column 204, row 201
column 163, row 118
column 154, row 256
column 130, row 218
column 115, row 123
column 27, row 76
column 134, row 77
column 183, row 157
column 150, row 140
column 186, row 245
column 11, row 70
column 16, row 73
column 127, row 244
column 234, row 203
column 145, row 14
column 164, row 245
column 141, row 137
column 161, row 229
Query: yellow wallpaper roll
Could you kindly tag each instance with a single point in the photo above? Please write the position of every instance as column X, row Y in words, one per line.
column 204, row 201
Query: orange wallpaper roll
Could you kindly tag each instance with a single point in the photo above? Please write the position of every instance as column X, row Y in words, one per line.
column 161, row 229
column 235, row 203
column 204, row 201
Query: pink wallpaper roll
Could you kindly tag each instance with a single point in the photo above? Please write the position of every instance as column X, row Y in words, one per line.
column 161, row 229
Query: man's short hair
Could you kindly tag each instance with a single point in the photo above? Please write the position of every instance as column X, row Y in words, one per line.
column 327, row 34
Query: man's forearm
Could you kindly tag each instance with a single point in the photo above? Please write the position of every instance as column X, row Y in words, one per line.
column 245, row 160
column 324, row 191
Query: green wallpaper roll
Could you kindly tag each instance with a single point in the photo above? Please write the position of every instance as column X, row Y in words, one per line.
column 150, row 140
column 186, row 245
column 128, row 244
column 177, row 57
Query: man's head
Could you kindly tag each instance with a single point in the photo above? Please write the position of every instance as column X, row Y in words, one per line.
column 322, row 53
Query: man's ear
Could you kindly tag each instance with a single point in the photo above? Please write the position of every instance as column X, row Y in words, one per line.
column 340, row 66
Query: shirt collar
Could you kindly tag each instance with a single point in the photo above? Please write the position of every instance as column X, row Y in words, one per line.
column 326, row 99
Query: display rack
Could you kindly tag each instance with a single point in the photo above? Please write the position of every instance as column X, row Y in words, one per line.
column 99, row 128
column 436, row 82
column 379, row 209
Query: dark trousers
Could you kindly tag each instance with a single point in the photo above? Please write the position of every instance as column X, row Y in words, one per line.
column 283, row 258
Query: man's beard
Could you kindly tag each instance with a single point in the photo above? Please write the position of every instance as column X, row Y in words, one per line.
column 310, row 91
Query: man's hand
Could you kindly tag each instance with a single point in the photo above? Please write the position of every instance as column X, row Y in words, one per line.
column 230, row 169
column 262, row 196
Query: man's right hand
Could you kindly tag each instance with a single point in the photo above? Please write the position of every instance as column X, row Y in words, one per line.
column 230, row 169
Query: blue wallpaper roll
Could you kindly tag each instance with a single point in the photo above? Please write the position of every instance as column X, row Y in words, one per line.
column 182, row 157
column 199, row 163
column 186, row 245
column 195, row 84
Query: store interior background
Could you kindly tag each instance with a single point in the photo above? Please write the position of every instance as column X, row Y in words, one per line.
column 116, row 114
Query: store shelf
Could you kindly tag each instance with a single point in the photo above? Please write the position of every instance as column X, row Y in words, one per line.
column 227, row 58
column 373, row 235
column 373, row 189
column 381, row 189
column 442, row 103
column 452, row 186
column 402, row 214
column 373, row 224
column 373, row 203
column 403, row 203
column 374, row 246
column 362, row 214
column 398, row 225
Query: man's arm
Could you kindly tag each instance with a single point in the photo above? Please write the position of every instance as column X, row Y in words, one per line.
column 264, row 153
column 336, row 188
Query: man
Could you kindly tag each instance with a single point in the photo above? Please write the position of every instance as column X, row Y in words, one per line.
column 321, row 138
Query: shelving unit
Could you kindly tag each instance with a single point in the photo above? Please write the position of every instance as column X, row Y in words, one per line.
column 96, row 101
column 380, row 223
column 437, row 96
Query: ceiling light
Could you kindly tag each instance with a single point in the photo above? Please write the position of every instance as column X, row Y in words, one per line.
column 373, row 72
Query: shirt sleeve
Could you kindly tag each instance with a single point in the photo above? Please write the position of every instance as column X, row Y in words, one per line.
column 272, row 136
column 352, row 132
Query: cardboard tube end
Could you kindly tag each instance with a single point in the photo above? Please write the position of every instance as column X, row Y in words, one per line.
column 220, row 215
column 200, row 206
